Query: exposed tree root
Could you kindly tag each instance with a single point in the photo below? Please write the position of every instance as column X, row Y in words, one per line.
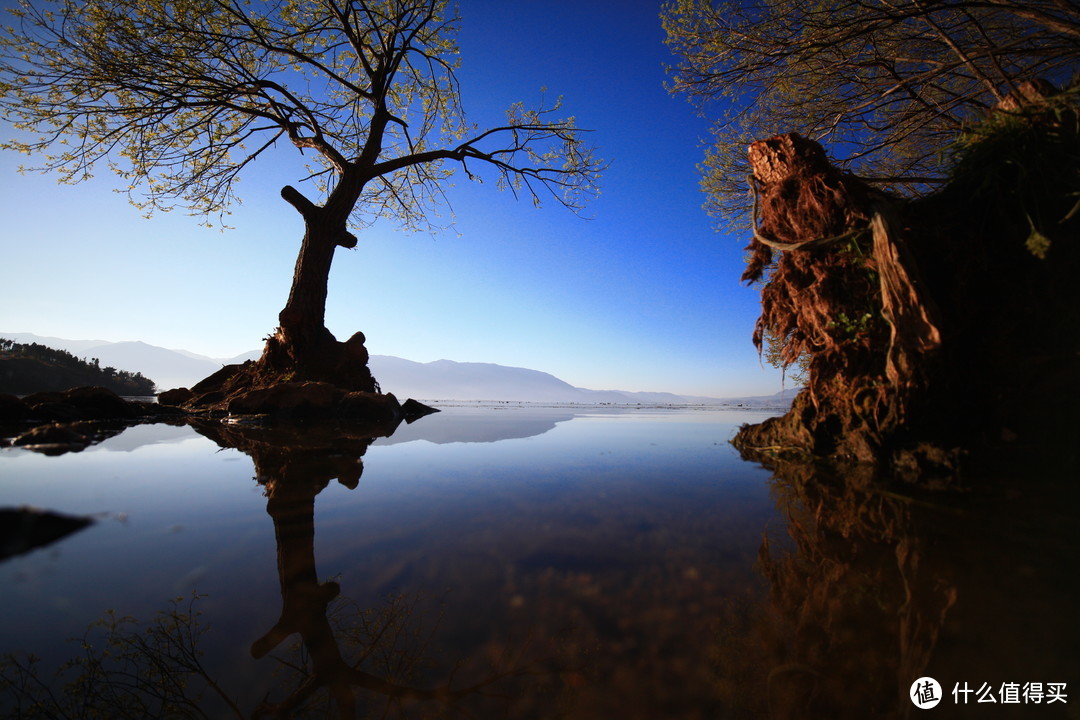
column 930, row 325
column 315, row 377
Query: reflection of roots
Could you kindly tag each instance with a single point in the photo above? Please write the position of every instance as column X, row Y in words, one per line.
column 927, row 601
column 856, row 599
column 791, row 690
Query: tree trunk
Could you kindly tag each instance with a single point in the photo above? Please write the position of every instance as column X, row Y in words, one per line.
column 303, row 320
column 302, row 348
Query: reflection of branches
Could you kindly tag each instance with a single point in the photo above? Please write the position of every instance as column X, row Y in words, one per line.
column 125, row 671
column 122, row 672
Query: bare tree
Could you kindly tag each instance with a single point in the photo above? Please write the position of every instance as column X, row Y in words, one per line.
column 179, row 96
column 886, row 84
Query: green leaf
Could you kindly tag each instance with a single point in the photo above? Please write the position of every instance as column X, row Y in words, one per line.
column 1037, row 243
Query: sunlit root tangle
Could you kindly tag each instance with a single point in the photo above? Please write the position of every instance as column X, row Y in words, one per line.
column 802, row 199
column 935, row 328
column 844, row 292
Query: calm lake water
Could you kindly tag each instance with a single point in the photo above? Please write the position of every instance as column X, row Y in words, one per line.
column 530, row 562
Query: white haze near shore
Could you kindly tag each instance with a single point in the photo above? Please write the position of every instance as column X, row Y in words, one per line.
column 438, row 380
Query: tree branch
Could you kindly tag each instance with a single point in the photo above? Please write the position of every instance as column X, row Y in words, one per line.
column 305, row 207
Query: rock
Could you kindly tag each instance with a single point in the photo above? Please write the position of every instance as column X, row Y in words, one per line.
column 373, row 407
column 51, row 407
column 291, row 400
column 152, row 411
column 73, row 419
column 99, row 402
column 47, row 397
column 53, row 439
column 23, row 529
column 82, row 403
column 214, row 381
column 207, row 400
column 13, row 411
column 176, row 396
column 412, row 410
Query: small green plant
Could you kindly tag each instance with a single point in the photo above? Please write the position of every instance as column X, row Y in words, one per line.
column 852, row 327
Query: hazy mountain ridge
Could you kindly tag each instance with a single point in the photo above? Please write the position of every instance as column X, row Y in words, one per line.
column 450, row 380
column 437, row 380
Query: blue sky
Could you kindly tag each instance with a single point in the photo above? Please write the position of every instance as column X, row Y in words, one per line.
column 643, row 295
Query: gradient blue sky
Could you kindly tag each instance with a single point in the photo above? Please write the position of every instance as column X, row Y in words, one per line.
column 644, row 295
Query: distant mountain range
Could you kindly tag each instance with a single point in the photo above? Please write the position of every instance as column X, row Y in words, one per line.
column 438, row 380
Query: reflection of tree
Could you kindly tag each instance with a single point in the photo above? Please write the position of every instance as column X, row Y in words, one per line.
column 295, row 465
column 294, row 468
column 358, row 656
column 857, row 604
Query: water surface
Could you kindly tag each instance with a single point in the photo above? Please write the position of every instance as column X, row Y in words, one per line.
column 530, row 562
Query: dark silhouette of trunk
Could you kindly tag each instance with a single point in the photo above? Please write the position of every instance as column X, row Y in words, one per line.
column 305, row 311
column 302, row 348
column 302, row 345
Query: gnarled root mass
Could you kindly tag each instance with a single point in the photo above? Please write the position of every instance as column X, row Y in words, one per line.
column 842, row 292
column 935, row 326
